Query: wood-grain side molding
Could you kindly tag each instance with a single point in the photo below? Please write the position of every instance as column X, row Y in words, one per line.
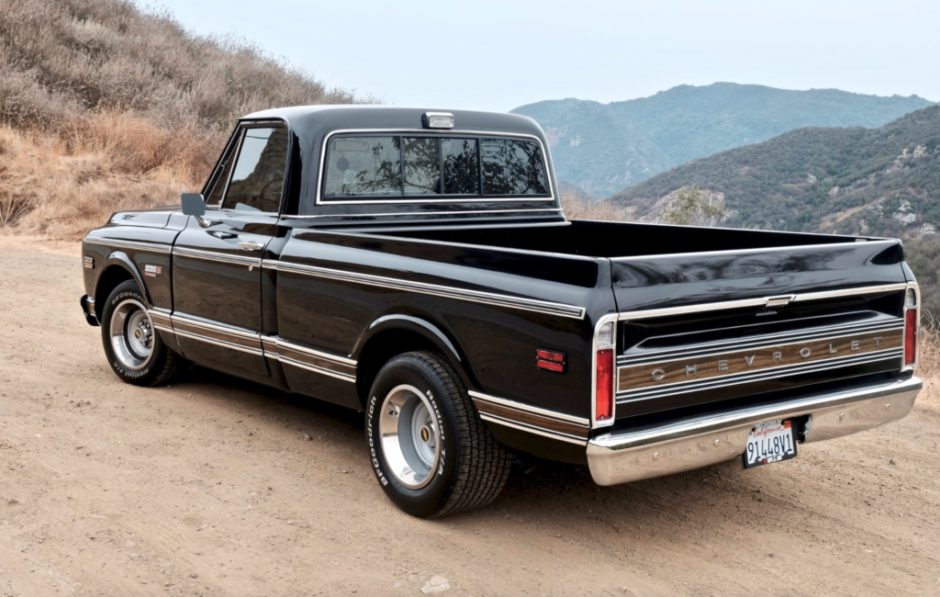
column 539, row 421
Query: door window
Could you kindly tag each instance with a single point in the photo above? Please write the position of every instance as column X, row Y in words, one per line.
column 258, row 175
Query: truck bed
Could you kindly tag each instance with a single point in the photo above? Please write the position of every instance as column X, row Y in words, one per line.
column 622, row 239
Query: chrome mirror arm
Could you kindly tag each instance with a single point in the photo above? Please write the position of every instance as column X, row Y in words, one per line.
column 204, row 222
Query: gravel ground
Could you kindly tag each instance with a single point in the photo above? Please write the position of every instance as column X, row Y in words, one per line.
column 217, row 487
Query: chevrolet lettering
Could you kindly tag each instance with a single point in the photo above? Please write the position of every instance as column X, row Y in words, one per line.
column 416, row 265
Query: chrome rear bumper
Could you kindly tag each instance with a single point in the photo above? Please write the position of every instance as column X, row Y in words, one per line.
column 691, row 443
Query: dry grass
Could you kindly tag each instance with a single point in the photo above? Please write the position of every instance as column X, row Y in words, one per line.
column 928, row 365
column 66, row 57
column 104, row 107
column 580, row 208
column 62, row 186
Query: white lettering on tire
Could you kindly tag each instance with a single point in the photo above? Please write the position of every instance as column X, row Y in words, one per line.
column 372, row 453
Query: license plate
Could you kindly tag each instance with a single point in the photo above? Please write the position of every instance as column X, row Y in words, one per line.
column 768, row 442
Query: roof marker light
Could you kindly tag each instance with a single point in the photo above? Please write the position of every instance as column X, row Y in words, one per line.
column 438, row 120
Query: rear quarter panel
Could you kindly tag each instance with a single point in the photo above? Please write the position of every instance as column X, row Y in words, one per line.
column 496, row 344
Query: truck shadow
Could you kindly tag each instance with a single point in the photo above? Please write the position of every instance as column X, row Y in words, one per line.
column 537, row 490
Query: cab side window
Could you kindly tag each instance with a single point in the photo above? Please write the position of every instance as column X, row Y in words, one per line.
column 258, row 174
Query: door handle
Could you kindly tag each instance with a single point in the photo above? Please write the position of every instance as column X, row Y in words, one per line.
column 223, row 235
column 248, row 245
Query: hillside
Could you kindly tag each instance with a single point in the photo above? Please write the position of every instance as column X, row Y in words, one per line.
column 603, row 148
column 104, row 107
column 880, row 182
column 841, row 180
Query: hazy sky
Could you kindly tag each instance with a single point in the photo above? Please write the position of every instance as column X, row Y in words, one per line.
column 496, row 55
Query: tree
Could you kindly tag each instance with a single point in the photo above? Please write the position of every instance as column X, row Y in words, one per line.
column 692, row 208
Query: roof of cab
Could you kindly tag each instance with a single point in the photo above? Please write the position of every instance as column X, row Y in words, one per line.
column 314, row 121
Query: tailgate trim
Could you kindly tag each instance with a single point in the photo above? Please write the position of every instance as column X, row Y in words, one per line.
column 757, row 302
column 743, row 252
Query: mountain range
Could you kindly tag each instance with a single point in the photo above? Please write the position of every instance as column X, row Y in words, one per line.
column 882, row 181
column 604, row 148
column 877, row 182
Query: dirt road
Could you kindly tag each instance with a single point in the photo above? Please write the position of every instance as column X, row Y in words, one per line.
column 214, row 487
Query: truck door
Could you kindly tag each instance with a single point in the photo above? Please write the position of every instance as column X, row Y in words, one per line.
column 217, row 269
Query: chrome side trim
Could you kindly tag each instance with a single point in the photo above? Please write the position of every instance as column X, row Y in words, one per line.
column 161, row 319
column 216, row 333
column 269, row 346
column 513, row 425
column 423, row 213
column 475, row 296
column 769, row 373
column 222, row 343
column 250, row 342
column 530, row 409
column 316, row 369
column 128, row 244
column 309, row 359
column 755, row 302
column 315, row 353
column 184, row 319
column 430, row 133
column 477, row 247
column 700, row 441
column 217, row 257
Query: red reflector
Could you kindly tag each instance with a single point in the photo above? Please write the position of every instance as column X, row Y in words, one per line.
column 550, row 366
column 604, row 397
column 910, row 337
column 550, row 355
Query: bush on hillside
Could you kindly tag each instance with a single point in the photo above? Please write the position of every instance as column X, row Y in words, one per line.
column 105, row 107
column 61, row 58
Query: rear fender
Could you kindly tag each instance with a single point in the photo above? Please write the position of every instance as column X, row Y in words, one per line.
column 431, row 333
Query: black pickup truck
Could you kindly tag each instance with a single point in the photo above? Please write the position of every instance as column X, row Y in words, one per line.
column 417, row 266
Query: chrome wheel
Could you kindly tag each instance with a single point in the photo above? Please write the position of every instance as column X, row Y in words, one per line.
column 132, row 334
column 410, row 436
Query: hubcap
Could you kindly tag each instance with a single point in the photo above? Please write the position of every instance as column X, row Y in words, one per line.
column 409, row 434
column 132, row 334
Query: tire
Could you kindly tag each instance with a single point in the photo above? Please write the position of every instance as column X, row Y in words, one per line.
column 430, row 451
column 135, row 351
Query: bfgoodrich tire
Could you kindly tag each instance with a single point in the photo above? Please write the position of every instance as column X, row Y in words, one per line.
column 430, row 451
column 134, row 349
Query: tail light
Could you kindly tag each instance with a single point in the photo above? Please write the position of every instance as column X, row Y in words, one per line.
column 605, row 385
column 910, row 329
column 604, row 374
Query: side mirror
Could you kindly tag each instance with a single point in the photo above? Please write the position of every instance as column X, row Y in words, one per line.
column 193, row 204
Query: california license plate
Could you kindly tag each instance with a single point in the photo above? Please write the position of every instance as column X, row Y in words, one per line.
column 768, row 442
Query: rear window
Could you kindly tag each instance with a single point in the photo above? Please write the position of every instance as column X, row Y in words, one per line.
column 396, row 167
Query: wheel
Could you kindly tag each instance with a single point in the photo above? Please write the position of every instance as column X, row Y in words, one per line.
column 134, row 349
column 430, row 450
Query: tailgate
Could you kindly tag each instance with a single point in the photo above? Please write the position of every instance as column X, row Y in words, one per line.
column 698, row 328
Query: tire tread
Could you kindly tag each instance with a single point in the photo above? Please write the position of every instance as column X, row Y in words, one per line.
column 484, row 464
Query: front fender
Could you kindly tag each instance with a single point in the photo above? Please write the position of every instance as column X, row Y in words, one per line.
column 122, row 260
